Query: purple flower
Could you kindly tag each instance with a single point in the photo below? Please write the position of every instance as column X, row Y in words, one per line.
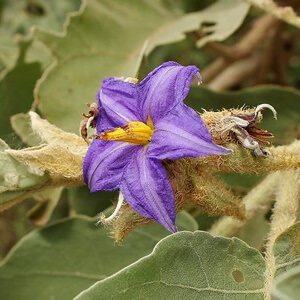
column 138, row 126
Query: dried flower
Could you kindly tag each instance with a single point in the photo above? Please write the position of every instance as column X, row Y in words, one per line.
column 246, row 131
column 88, row 121
column 138, row 126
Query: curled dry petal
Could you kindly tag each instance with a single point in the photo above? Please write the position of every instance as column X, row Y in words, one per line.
column 88, row 121
column 243, row 125
column 261, row 107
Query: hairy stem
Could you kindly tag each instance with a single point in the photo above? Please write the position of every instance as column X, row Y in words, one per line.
column 257, row 198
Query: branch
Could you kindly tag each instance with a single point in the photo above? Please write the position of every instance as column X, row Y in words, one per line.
column 260, row 29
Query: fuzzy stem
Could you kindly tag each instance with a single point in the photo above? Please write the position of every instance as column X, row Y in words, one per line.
column 254, row 200
column 284, row 216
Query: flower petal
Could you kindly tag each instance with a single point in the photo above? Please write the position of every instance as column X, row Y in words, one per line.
column 146, row 187
column 104, row 164
column 118, row 103
column 182, row 133
column 164, row 88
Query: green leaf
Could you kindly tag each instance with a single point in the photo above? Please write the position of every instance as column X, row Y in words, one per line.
column 9, row 52
column 10, row 198
column 255, row 231
column 285, row 129
column 287, row 249
column 86, row 203
column 188, row 266
column 17, row 180
column 28, row 171
column 38, row 52
column 47, row 199
column 184, row 221
column 21, row 125
column 16, row 90
column 94, row 47
column 287, row 263
column 61, row 155
column 285, row 13
column 3, row 145
column 240, row 183
column 61, row 260
column 13, row 226
column 224, row 18
column 286, row 286
column 19, row 16
column 16, row 176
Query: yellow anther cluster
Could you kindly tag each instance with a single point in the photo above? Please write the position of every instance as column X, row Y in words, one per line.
column 133, row 132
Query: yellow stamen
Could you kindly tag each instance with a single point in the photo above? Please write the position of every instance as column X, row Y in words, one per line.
column 134, row 132
column 131, row 80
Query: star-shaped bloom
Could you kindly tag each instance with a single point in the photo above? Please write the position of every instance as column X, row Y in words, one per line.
column 138, row 126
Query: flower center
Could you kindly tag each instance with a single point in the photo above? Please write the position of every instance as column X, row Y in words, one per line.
column 133, row 132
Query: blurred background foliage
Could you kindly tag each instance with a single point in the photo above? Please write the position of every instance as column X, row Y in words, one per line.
column 54, row 54
column 34, row 34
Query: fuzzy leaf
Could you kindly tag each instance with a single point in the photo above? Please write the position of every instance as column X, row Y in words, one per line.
column 20, row 16
column 286, row 286
column 51, row 134
column 27, row 171
column 47, row 199
column 38, row 52
column 84, row 202
column 61, row 260
column 21, row 124
column 188, row 266
column 15, row 176
column 240, row 183
column 8, row 52
column 63, row 165
column 287, row 263
column 255, row 231
column 285, row 13
column 287, row 249
column 224, row 18
column 94, row 48
column 3, row 146
column 16, row 90
column 16, row 180
column 62, row 158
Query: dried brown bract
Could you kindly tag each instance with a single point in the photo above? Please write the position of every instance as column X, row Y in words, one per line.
column 88, row 121
column 240, row 126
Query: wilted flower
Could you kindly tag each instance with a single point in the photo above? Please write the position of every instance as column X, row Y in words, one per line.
column 138, row 126
column 247, row 132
